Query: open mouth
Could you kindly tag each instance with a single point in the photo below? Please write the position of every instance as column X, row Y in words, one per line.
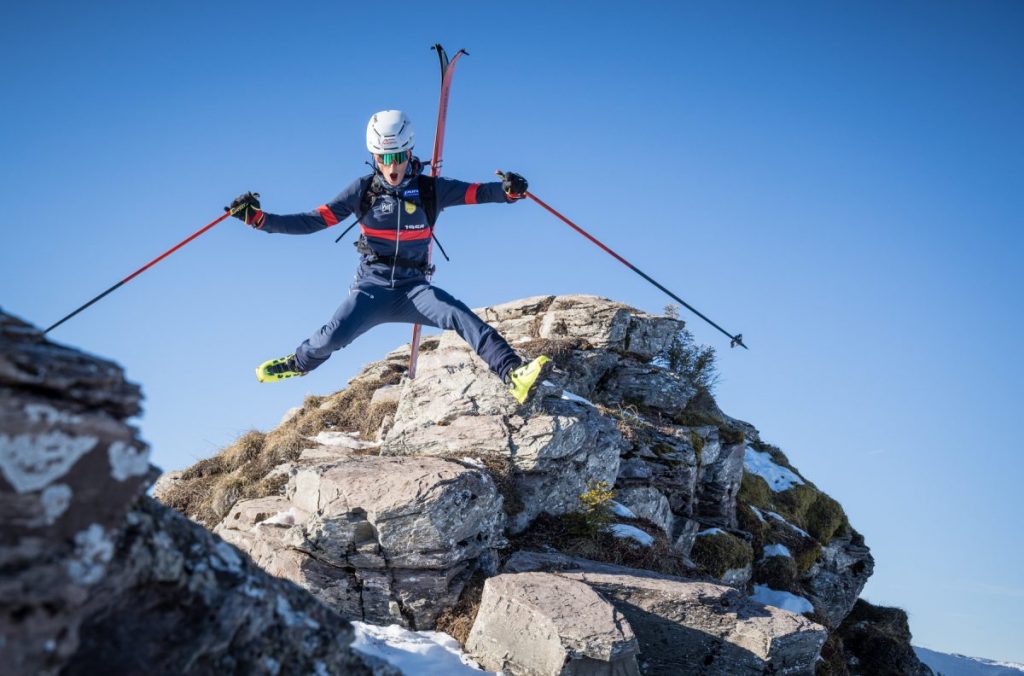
column 394, row 175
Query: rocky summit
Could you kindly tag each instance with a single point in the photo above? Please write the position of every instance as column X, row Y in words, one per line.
column 617, row 523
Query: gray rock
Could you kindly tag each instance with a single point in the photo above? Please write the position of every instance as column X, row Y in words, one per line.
column 380, row 539
column 646, row 385
column 836, row 580
column 683, row 625
column 549, row 625
column 455, row 408
column 718, row 486
column 99, row 580
column 648, row 503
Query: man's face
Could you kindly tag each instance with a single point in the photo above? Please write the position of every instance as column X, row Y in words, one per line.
column 393, row 166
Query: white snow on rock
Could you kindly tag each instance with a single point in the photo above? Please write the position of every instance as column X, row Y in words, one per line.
column 621, row 530
column 782, row 519
column 619, row 509
column 760, row 463
column 961, row 665
column 342, row 440
column 711, row 531
column 473, row 462
column 758, row 514
column 285, row 518
column 413, row 652
column 777, row 550
column 781, row 599
column 569, row 396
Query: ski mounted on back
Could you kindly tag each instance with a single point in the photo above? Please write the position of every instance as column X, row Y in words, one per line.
column 447, row 73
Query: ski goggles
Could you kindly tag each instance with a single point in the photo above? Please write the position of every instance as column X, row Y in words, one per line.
column 387, row 159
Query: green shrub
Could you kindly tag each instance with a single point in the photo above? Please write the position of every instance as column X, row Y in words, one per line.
column 595, row 514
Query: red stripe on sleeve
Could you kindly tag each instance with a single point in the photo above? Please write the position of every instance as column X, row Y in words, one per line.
column 327, row 215
column 471, row 193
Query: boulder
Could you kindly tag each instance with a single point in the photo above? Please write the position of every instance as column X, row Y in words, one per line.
column 684, row 626
column 549, row 625
column 380, row 539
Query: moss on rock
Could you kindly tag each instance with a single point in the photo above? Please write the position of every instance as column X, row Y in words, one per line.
column 720, row 552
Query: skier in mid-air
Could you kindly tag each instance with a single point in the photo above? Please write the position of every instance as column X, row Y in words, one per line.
column 396, row 207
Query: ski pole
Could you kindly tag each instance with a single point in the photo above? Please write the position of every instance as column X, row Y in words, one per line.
column 734, row 340
column 227, row 212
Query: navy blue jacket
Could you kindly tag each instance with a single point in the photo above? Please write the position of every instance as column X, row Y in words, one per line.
column 395, row 224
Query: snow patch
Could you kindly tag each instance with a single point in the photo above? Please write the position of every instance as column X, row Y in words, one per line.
column 661, row 362
column 624, row 531
column 776, row 550
column 127, row 461
column 285, row 518
column 782, row 519
column 757, row 513
column 711, row 531
column 619, row 509
column 32, row 461
column 93, row 551
column 413, row 652
column 55, row 500
column 342, row 440
column 760, row 463
column 473, row 462
column 569, row 396
column 781, row 599
column 960, row 665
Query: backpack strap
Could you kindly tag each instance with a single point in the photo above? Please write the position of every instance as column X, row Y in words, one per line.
column 428, row 197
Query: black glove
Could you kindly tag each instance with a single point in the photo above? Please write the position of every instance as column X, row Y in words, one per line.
column 514, row 185
column 246, row 208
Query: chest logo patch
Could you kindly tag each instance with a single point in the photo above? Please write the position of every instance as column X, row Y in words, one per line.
column 386, row 206
column 410, row 208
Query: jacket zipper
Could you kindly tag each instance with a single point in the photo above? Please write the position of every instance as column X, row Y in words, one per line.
column 398, row 238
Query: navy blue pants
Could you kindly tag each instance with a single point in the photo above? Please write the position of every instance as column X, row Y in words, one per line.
column 368, row 305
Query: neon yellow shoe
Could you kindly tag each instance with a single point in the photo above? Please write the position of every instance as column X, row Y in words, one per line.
column 524, row 377
column 278, row 369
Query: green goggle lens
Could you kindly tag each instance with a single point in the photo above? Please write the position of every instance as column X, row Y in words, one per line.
column 393, row 158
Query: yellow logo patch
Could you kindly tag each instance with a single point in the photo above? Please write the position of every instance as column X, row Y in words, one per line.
column 410, row 208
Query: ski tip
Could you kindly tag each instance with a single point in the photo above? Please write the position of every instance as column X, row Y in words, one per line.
column 738, row 340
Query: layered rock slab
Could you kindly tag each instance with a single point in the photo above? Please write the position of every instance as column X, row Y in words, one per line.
column 692, row 627
column 539, row 624
column 379, row 539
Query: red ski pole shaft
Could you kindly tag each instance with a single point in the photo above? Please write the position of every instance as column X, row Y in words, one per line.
column 734, row 340
column 145, row 267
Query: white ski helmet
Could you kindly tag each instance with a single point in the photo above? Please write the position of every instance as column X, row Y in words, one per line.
column 389, row 131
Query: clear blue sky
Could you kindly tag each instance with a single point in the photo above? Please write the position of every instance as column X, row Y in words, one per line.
column 841, row 182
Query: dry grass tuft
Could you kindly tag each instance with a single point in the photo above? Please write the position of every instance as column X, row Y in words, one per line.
column 557, row 349
column 208, row 490
column 458, row 621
